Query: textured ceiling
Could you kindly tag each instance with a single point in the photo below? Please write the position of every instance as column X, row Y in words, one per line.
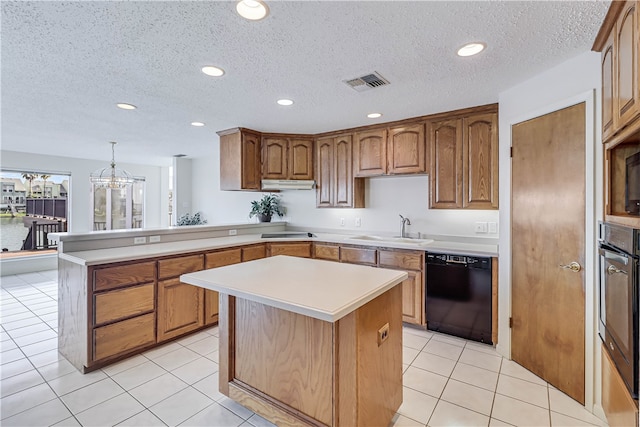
column 66, row 64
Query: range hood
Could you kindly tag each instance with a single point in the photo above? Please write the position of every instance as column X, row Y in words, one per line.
column 286, row 184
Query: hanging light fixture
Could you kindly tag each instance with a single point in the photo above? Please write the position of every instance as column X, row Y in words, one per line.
column 111, row 177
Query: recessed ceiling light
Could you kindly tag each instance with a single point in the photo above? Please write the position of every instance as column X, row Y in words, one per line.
column 212, row 71
column 197, row 124
column 126, row 106
column 253, row 10
column 470, row 49
column 285, row 102
column 374, row 115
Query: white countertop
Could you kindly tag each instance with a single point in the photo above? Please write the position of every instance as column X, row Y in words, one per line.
column 325, row 290
column 128, row 253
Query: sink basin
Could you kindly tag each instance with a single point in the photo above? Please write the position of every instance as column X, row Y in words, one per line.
column 403, row 240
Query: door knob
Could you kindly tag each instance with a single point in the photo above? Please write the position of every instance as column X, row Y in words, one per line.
column 613, row 270
column 574, row 266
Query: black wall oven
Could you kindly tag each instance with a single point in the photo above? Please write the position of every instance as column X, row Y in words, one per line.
column 619, row 325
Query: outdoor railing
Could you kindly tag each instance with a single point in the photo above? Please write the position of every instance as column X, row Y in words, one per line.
column 38, row 238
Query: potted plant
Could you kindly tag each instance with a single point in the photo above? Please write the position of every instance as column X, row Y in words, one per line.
column 266, row 207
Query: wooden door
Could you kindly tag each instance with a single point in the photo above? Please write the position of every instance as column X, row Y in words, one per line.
column 547, row 231
column 180, row 308
column 214, row 260
column 274, row 158
column 480, row 161
column 251, row 170
column 412, row 298
column 370, row 153
column 300, row 159
column 324, row 172
column 627, row 99
column 343, row 173
column 406, row 149
column 445, row 142
column 608, row 126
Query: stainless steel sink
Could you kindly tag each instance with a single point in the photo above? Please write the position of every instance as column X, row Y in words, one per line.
column 403, row 240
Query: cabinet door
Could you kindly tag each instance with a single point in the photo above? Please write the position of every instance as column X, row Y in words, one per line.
column 124, row 337
column 345, row 194
column 413, row 298
column 445, row 172
column 608, row 125
column 250, row 168
column 292, row 249
column 274, row 158
column 174, row 267
column 180, row 308
column 370, row 153
column 406, row 149
column 358, row 255
column 619, row 407
column 300, row 159
column 324, row 172
column 213, row 260
column 627, row 98
column 250, row 253
column 480, row 162
column 326, row 251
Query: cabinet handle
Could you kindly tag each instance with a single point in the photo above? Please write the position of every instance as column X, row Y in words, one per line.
column 574, row 266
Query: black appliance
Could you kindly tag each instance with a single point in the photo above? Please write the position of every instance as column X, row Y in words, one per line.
column 458, row 297
column 632, row 185
column 286, row 235
column 618, row 326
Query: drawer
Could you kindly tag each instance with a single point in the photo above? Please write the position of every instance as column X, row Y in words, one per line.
column 222, row 258
column 122, row 337
column 174, row 267
column 408, row 260
column 358, row 255
column 122, row 275
column 329, row 252
column 293, row 249
column 123, row 303
column 254, row 252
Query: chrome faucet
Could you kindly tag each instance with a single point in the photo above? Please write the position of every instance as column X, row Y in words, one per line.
column 405, row 221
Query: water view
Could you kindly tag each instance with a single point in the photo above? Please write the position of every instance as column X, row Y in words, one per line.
column 12, row 233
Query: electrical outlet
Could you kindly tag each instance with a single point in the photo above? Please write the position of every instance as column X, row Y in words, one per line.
column 358, row 222
column 154, row 239
column 341, row 222
column 383, row 334
column 233, row 232
column 139, row 240
column 493, row 227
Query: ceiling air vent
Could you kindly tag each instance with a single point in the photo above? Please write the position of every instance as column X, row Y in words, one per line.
column 367, row 82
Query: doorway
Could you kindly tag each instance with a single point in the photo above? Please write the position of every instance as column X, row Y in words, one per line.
column 548, row 248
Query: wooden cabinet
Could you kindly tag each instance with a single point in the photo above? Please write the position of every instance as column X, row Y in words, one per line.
column 249, row 253
column 180, row 306
column 239, row 159
column 621, row 410
column 413, row 302
column 214, row 260
column 335, row 184
column 299, row 249
column 607, row 64
column 326, row 251
column 625, row 81
column 287, row 158
column 464, row 162
column 370, row 153
column 406, row 150
column 124, row 337
column 356, row 255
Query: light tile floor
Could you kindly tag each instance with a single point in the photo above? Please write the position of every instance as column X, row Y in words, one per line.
column 447, row 381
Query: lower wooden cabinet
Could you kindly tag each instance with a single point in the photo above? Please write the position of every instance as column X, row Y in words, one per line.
column 358, row 255
column 214, row 260
column 328, row 252
column 299, row 249
column 123, row 337
column 180, row 308
column 621, row 410
column 123, row 303
column 249, row 253
column 412, row 298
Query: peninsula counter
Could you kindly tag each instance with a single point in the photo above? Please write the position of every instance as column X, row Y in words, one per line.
column 309, row 342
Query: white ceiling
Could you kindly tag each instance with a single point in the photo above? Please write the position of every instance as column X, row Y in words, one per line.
column 66, row 64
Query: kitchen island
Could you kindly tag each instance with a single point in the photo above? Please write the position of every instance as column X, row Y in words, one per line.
column 309, row 342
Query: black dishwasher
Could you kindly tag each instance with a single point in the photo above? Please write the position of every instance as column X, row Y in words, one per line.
column 458, row 297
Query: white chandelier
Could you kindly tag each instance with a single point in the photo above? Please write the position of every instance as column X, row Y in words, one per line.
column 111, row 177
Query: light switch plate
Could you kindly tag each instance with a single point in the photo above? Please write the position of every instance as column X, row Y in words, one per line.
column 139, row 240
column 481, row 227
column 341, row 222
column 154, row 239
column 493, row 227
column 233, row 232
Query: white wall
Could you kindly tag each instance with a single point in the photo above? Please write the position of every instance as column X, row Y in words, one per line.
column 571, row 82
column 79, row 191
column 385, row 199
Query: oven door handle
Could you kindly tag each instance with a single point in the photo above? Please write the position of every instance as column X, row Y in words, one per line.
column 611, row 253
column 613, row 270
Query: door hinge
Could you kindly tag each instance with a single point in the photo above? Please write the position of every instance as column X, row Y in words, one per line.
column 511, row 322
column 510, row 151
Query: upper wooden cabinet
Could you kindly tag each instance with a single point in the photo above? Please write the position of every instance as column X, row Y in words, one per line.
column 287, row 158
column 239, row 159
column 370, row 153
column 619, row 44
column 406, row 149
column 464, row 162
column 335, row 184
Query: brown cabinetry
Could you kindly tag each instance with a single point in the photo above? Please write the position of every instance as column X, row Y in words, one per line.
column 287, row 158
column 180, row 306
column 464, row 162
column 249, row 253
column 299, row 249
column 355, row 255
column 326, row 251
column 213, row 260
column 621, row 410
column 239, row 159
column 370, row 153
column 413, row 286
column 335, row 184
column 625, row 81
column 406, row 150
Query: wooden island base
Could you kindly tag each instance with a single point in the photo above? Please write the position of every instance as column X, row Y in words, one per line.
column 296, row 370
